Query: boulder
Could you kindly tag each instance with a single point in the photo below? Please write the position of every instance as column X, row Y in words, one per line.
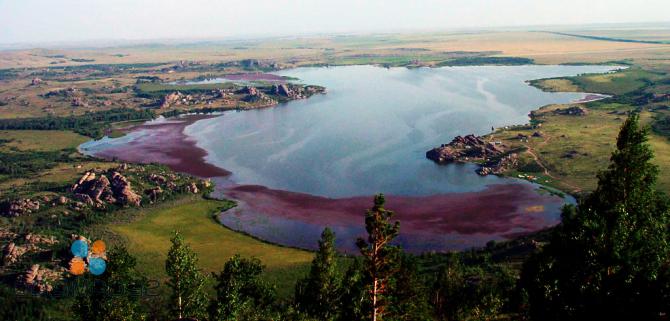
column 123, row 192
column 94, row 190
column 158, row 179
column 192, row 188
column 11, row 253
column 249, row 90
column 40, row 278
column 220, row 93
column 154, row 193
column 84, row 198
column 500, row 165
column 79, row 102
column 571, row 111
column 18, row 207
column 207, row 183
column 173, row 98
column 282, row 90
column 62, row 200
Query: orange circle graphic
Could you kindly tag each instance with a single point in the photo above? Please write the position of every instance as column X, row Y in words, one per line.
column 77, row 266
column 98, row 247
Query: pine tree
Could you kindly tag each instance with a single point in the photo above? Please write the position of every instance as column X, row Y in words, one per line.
column 380, row 258
column 353, row 298
column 187, row 283
column 607, row 257
column 317, row 294
column 449, row 290
column 407, row 294
column 115, row 293
column 241, row 294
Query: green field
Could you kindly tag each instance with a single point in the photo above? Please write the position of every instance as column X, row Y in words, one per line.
column 616, row 83
column 41, row 140
column 148, row 239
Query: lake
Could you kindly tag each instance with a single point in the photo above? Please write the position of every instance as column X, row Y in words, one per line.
column 370, row 133
column 312, row 163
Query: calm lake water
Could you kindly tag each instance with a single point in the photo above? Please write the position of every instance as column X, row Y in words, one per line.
column 370, row 132
column 305, row 165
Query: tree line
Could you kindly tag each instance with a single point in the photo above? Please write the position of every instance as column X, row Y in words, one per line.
column 91, row 124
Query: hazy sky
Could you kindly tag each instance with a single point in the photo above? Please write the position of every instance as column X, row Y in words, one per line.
column 24, row 21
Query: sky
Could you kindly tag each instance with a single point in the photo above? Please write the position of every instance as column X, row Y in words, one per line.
column 46, row 21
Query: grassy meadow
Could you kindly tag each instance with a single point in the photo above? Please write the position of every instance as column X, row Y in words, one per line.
column 148, row 234
column 41, row 140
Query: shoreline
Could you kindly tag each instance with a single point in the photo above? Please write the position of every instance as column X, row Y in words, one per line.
column 458, row 220
column 436, row 223
column 452, row 221
column 170, row 146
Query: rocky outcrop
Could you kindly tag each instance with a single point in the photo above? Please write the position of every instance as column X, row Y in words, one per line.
column 571, row 111
column 283, row 90
column 40, row 278
column 31, row 242
column 79, row 102
column 18, row 207
column 92, row 190
column 34, row 240
column 289, row 91
column 61, row 200
column 171, row 99
column 192, row 188
column 220, row 93
column 123, row 192
column 493, row 158
column 500, row 165
column 11, row 253
column 461, row 149
column 36, row 81
column 249, row 90
column 154, row 193
column 98, row 190
column 158, row 179
column 293, row 91
column 255, row 96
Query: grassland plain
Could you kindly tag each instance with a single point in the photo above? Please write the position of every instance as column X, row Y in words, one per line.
column 572, row 149
column 41, row 140
column 545, row 48
column 617, row 83
column 31, row 141
column 147, row 234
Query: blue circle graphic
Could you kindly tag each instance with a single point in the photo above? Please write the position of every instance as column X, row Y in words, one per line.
column 97, row 266
column 79, row 248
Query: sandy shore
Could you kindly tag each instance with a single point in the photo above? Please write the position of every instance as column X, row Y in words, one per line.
column 591, row 97
column 166, row 143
